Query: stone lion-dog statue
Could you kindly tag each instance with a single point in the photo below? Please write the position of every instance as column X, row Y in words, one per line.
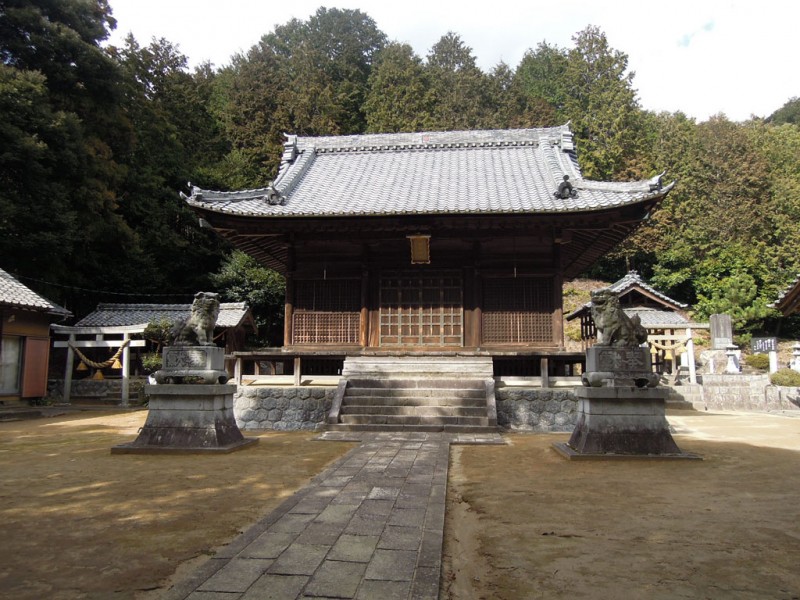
column 198, row 328
column 614, row 327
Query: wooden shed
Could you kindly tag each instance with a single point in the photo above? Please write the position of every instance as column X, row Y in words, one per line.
column 25, row 319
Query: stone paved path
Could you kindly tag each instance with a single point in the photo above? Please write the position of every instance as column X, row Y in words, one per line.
column 368, row 527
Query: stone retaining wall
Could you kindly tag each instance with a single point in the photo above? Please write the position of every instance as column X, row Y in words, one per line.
column 291, row 408
column 742, row 392
column 282, row 408
column 94, row 390
column 536, row 409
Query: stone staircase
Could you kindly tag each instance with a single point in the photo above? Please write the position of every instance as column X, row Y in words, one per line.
column 686, row 397
column 414, row 393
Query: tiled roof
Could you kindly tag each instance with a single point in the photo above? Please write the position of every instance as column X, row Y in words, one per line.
column 788, row 300
column 231, row 314
column 451, row 172
column 651, row 317
column 14, row 294
column 631, row 281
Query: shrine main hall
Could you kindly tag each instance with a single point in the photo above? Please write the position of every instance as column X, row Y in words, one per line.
column 435, row 242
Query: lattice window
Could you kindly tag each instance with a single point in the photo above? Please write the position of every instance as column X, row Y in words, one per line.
column 421, row 310
column 327, row 311
column 517, row 310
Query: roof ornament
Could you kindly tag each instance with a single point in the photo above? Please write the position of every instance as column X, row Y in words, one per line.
column 655, row 182
column 196, row 192
column 565, row 190
column 273, row 196
column 289, row 148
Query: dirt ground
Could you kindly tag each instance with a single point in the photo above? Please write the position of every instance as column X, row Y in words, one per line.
column 77, row 522
column 522, row 522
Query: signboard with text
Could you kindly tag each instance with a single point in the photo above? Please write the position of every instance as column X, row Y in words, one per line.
column 763, row 345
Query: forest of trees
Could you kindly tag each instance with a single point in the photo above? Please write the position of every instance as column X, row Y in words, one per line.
column 96, row 142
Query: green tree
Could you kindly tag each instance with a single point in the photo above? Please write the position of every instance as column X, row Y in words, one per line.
column 788, row 113
column 459, row 86
column 540, row 87
column 399, row 96
column 38, row 219
column 66, row 91
column 242, row 279
column 601, row 103
column 305, row 77
column 175, row 139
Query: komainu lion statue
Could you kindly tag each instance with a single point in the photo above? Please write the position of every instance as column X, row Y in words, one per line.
column 614, row 327
column 198, row 328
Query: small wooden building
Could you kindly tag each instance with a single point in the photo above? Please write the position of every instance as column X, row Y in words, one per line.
column 234, row 323
column 437, row 242
column 669, row 329
column 656, row 311
column 25, row 319
column 788, row 303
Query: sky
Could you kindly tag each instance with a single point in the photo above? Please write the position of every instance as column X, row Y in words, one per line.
column 700, row 57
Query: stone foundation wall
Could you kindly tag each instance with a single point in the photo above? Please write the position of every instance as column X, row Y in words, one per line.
column 93, row 390
column 536, row 409
column 290, row 408
column 282, row 408
column 746, row 393
column 786, row 398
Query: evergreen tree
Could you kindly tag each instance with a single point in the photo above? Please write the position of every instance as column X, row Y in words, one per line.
column 602, row 106
column 459, row 86
column 541, row 88
column 400, row 96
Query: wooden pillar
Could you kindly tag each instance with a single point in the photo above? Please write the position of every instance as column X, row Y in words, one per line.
column 298, row 376
column 288, row 332
column 544, row 368
column 471, row 325
column 68, row 373
column 374, row 328
column 363, row 333
column 237, row 370
column 126, row 358
column 558, row 297
column 477, row 296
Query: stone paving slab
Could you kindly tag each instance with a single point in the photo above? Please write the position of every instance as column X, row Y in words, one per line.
column 369, row 527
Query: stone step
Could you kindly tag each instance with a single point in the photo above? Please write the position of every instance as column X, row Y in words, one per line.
column 420, row 411
column 19, row 414
column 413, row 401
column 373, row 392
column 417, row 366
column 379, row 427
column 416, row 383
column 412, row 420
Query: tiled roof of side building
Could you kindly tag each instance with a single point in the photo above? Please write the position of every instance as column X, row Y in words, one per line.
column 633, row 279
column 451, row 172
column 788, row 300
column 231, row 314
column 15, row 294
column 651, row 317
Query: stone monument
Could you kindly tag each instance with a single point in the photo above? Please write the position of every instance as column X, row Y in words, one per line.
column 621, row 408
column 190, row 406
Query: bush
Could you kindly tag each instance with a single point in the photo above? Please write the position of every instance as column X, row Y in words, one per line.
column 785, row 378
column 151, row 362
column 757, row 361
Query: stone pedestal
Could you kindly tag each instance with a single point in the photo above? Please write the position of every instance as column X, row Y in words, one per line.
column 621, row 421
column 205, row 363
column 621, row 409
column 186, row 419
